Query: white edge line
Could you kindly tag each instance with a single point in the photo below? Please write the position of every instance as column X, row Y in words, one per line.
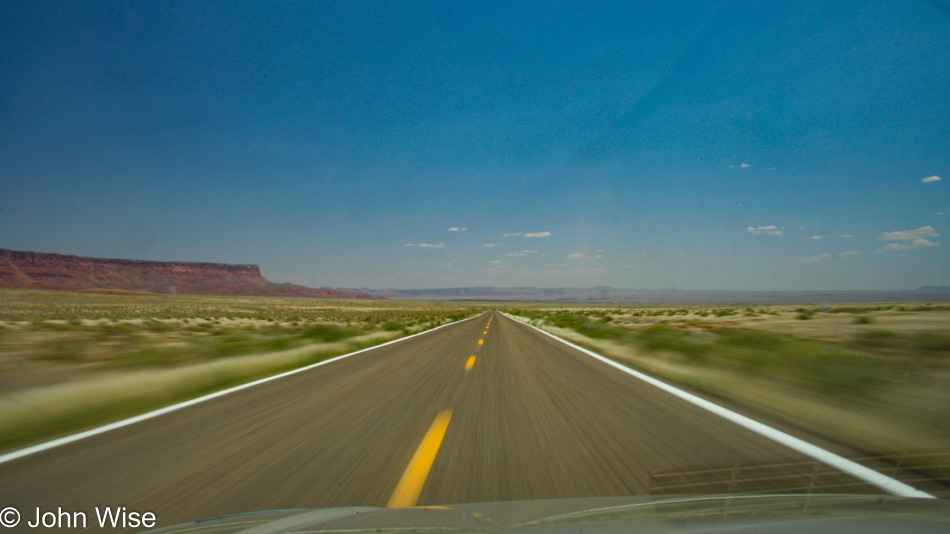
column 855, row 469
column 13, row 455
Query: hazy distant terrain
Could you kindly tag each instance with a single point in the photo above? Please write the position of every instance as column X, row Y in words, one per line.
column 660, row 296
column 34, row 270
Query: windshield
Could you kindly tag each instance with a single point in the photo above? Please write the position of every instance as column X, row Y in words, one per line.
column 294, row 255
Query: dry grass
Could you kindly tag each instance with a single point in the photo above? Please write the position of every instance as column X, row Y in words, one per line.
column 72, row 360
column 50, row 337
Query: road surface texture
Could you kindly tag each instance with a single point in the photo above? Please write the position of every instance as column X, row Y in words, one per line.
column 484, row 410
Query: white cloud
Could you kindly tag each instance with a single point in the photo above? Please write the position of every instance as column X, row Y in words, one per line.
column 585, row 271
column 629, row 266
column 457, row 229
column 491, row 244
column 497, row 261
column 917, row 243
column 909, row 235
column 521, row 254
column 538, row 234
column 826, row 256
column 426, row 245
column 576, row 256
column 740, row 166
column 846, row 236
column 941, row 213
column 765, row 230
column 929, row 179
column 511, row 235
column 917, row 238
column 818, row 237
column 409, row 245
column 894, row 247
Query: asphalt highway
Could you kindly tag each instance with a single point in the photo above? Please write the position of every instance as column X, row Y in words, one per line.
column 484, row 410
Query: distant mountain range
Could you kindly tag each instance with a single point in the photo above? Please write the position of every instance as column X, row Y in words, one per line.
column 658, row 296
column 35, row 270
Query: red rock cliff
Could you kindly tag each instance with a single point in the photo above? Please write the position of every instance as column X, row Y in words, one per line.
column 35, row 270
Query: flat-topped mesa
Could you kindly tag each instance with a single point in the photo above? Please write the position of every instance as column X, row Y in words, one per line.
column 36, row 270
column 40, row 260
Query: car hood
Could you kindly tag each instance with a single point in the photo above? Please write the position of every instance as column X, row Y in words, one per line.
column 836, row 514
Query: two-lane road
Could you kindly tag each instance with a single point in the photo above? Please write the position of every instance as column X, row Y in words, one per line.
column 521, row 416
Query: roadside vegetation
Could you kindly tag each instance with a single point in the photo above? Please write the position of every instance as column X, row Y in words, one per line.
column 73, row 360
column 874, row 376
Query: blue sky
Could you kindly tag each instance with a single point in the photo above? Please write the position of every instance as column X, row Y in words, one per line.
column 744, row 145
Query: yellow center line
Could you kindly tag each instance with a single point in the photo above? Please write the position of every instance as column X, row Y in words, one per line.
column 485, row 332
column 481, row 341
column 410, row 485
column 470, row 363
